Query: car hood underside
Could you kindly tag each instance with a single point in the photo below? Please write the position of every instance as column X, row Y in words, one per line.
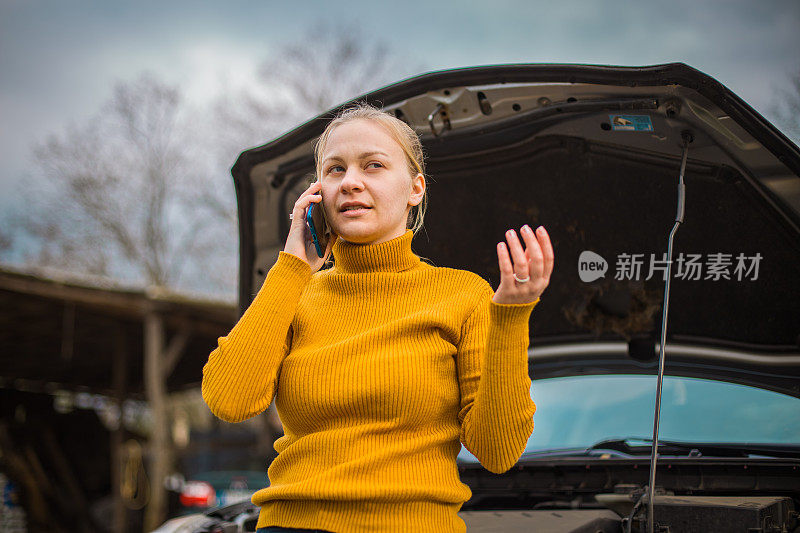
column 593, row 154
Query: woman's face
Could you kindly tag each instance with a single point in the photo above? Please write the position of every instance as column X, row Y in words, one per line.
column 362, row 163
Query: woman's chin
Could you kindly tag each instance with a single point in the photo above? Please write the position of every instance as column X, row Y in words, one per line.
column 358, row 233
column 357, row 238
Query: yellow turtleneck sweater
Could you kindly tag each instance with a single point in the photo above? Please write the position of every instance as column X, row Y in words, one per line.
column 379, row 367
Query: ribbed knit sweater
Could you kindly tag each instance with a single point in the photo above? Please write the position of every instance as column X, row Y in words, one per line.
column 379, row 367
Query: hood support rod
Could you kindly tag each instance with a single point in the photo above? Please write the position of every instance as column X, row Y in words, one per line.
column 687, row 138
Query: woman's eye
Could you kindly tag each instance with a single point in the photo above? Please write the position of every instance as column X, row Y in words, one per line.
column 340, row 168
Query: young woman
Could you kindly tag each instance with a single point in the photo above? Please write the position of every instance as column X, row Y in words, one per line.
column 383, row 364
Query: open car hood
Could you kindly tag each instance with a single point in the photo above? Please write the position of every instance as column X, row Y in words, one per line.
column 592, row 153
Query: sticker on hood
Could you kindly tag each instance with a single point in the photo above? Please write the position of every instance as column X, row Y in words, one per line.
column 631, row 122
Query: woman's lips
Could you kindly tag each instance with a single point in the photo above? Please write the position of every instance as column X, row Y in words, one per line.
column 355, row 212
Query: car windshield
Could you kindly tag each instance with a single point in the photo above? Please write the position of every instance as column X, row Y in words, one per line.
column 580, row 411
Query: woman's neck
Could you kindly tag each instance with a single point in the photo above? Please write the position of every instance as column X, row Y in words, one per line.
column 393, row 255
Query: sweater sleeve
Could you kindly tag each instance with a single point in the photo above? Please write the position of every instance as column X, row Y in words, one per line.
column 240, row 377
column 496, row 410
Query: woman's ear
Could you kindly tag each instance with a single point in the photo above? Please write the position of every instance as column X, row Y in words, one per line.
column 417, row 189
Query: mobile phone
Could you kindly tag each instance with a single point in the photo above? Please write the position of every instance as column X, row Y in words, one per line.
column 318, row 226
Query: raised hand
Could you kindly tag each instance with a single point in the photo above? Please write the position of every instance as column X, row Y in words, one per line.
column 533, row 266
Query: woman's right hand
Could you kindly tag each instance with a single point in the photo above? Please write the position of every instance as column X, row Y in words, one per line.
column 299, row 241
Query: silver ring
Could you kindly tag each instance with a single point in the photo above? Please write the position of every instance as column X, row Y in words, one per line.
column 524, row 280
column 291, row 216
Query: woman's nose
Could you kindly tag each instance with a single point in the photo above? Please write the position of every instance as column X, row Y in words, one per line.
column 352, row 179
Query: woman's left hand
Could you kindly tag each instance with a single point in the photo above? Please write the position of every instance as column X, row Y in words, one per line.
column 534, row 262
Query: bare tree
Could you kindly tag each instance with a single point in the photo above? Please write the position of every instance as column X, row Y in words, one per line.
column 129, row 195
column 786, row 107
column 332, row 63
column 141, row 191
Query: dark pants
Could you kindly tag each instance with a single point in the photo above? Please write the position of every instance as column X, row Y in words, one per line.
column 278, row 529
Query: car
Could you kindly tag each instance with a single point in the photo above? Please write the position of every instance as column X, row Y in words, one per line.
column 674, row 212
column 219, row 488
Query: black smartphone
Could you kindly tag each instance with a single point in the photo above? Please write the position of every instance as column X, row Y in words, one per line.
column 318, row 227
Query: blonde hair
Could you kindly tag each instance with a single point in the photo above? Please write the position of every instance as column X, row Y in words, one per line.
column 405, row 136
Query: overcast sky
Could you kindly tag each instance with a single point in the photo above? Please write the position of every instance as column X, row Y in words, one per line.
column 59, row 59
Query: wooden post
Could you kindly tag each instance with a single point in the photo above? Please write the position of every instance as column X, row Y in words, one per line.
column 160, row 448
column 119, row 378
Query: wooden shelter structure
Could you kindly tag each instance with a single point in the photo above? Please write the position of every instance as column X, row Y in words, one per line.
column 91, row 335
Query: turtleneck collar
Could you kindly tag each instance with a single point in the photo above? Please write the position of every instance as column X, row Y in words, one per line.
column 394, row 255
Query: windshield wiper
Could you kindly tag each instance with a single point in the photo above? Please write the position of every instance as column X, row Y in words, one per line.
column 729, row 449
column 556, row 452
column 629, row 448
